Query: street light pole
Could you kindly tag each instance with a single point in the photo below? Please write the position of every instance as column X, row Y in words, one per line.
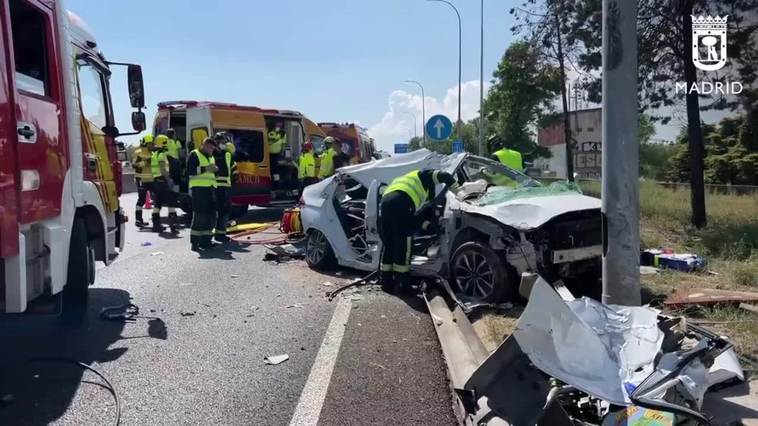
column 481, row 85
column 423, row 106
column 460, row 62
column 415, row 133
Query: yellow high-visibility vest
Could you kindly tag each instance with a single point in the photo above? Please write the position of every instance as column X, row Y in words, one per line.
column 226, row 181
column 306, row 166
column 510, row 158
column 156, row 159
column 275, row 142
column 172, row 148
column 327, row 163
column 411, row 185
column 203, row 178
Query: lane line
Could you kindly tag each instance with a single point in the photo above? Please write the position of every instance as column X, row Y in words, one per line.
column 311, row 401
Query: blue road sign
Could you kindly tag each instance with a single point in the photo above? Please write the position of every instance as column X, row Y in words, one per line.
column 457, row 145
column 439, row 127
column 401, row 148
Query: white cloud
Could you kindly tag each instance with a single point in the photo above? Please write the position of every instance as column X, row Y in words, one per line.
column 396, row 126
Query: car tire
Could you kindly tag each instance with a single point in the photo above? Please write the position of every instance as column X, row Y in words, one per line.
column 479, row 275
column 80, row 274
column 319, row 254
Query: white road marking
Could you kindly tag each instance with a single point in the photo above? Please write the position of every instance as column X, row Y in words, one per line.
column 311, row 401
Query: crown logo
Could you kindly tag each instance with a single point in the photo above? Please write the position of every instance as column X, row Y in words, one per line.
column 708, row 23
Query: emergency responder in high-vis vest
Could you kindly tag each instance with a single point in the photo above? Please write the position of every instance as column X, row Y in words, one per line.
column 306, row 167
column 326, row 168
column 402, row 209
column 276, row 139
column 201, row 169
column 143, row 176
column 227, row 167
column 162, row 185
column 508, row 157
column 173, row 150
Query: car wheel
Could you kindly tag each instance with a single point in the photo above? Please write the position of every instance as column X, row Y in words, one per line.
column 480, row 275
column 318, row 252
column 81, row 273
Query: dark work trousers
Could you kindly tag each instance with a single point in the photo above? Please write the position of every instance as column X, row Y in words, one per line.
column 142, row 189
column 203, row 215
column 397, row 225
column 223, row 206
column 175, row 170
column 163, row 196
column 306, row 182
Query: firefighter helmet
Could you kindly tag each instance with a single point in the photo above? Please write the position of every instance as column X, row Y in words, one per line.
column 161, row 141
column 146, row 140
column 307, row 146
column 329, row 140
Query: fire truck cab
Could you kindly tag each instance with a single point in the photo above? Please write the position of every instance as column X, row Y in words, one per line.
column 60, row 174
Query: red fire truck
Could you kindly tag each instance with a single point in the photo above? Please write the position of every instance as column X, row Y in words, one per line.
column 60, row 170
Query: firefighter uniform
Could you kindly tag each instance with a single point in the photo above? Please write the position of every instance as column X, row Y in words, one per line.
column 509, row 158
column 306, row 167
column 202, row 184
column 227, row 167
column 162, row 192
column 143, row 176
column 403, row 199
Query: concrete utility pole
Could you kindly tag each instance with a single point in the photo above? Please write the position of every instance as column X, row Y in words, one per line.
column 481, row 85
column 460, row 63
column 423, row 108
column 620, row 205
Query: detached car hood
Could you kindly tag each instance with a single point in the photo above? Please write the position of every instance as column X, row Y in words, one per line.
column 531, row 212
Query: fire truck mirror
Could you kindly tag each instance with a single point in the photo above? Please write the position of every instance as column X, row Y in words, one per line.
column 138, row 121
column 136, row 87
column 111, row 131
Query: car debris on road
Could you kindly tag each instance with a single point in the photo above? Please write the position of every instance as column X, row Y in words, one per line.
column 276, row 359
column 575, row 359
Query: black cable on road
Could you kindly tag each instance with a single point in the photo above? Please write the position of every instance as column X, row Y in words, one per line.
column 84, row 366
column 330, row 295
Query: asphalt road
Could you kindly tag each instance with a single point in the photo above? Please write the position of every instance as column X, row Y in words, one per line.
column 195, row 356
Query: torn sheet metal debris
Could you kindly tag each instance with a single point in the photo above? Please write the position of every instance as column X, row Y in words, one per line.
column 156, row 253
column 710, row 296
column 276, row 359
column 594, row 347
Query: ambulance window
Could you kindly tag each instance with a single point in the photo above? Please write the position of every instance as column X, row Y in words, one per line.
column 92, row 94
column 248, row 144
column 30, row 33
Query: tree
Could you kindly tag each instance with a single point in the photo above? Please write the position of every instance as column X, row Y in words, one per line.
column 523, row 89
column 548, row 23
column 665, row 57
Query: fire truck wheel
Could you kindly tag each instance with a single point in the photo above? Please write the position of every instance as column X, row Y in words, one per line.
column 81, row 273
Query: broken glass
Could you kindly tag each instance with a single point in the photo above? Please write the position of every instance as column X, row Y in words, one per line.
column 501, row 194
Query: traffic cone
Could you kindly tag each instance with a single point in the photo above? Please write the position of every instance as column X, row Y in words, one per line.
column 148, row 201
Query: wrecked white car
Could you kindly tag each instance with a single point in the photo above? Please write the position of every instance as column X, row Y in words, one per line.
column 497, row 225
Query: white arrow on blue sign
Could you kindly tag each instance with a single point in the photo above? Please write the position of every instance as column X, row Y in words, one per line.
column 439, row 127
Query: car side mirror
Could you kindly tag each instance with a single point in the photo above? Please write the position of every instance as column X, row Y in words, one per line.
column 138, row 121
column 136, row 86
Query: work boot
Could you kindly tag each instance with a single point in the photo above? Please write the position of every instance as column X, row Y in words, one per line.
column 173, row 222
column 157, row 227
column 195, row 247
column 388, row 283
column 403, row 285
column 221, row 238
column 138, row 219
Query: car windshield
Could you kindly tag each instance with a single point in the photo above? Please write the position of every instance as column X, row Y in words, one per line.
column 496, row 174
column 502, row 194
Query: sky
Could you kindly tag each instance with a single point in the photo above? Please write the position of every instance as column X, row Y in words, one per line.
column 333, row 60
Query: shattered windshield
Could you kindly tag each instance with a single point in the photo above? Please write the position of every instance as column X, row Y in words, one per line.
column 494, row 173
column 502, row 194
